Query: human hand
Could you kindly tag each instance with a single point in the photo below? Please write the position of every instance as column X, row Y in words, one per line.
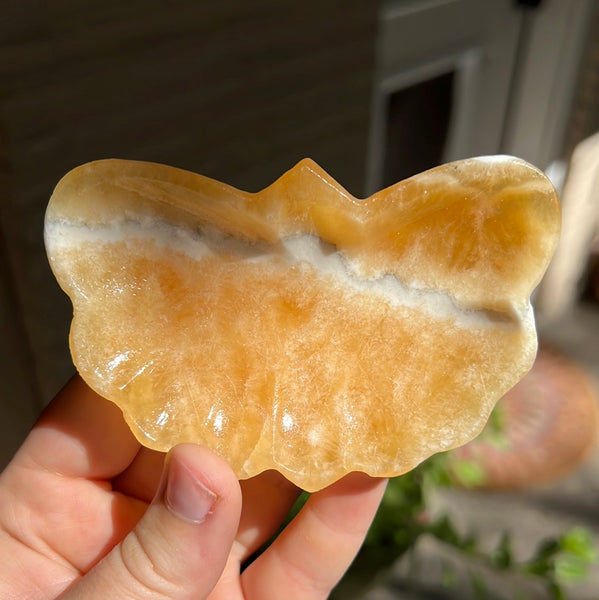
column 87, row 513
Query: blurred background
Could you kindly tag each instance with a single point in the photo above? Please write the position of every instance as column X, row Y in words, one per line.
column 373, row 91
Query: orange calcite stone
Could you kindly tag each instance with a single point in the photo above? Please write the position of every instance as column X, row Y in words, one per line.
column 298, row 328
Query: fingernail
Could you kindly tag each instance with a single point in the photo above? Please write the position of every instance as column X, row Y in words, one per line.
column 186, row 495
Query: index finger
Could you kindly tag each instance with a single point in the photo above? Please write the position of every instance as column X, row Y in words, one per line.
column 80, row 434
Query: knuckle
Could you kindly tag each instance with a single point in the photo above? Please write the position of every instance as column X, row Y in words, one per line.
column 146, row 569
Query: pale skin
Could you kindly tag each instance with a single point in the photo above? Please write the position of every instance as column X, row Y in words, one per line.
column 87, row 513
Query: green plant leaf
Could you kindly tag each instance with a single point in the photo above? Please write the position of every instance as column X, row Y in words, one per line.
column 502, row 557
column 576, row 557
column 469, row 473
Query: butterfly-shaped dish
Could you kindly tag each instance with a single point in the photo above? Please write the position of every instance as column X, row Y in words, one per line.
column 299, row 328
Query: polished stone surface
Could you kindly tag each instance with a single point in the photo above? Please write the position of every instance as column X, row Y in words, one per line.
column 299, row 328
column 528, row 515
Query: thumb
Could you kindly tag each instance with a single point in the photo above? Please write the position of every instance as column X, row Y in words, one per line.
column 179, row 548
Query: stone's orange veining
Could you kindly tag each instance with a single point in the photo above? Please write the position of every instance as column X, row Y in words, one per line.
column 207, row 314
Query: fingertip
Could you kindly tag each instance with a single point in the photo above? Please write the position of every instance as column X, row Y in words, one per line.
column 197, row 482
column 356, row 482
column 186, row 496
